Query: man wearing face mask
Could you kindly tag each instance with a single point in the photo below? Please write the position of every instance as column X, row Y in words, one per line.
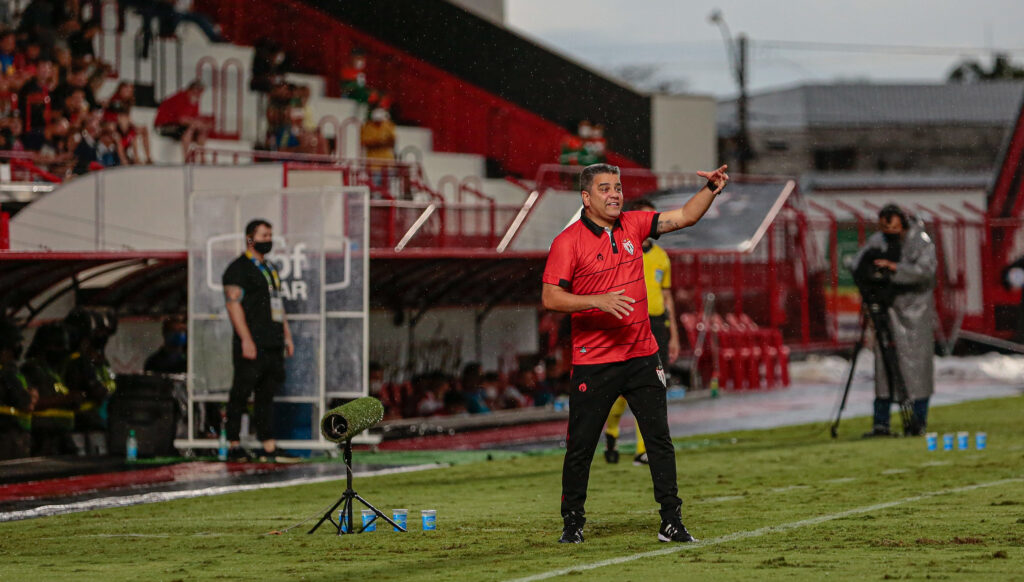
column 901, row 256
column 17, row 399
column 170, row 358
column 255, row 305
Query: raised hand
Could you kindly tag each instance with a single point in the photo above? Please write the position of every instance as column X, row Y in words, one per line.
column 718, row 178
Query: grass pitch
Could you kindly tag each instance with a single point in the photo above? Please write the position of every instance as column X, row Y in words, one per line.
column 786, row 503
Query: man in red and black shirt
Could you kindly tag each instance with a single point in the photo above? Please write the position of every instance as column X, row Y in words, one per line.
column 595, row 271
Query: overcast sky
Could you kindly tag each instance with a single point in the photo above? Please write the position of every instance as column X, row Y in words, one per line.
column 674, row 39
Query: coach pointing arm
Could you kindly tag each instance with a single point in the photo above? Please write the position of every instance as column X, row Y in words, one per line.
column 602, row 202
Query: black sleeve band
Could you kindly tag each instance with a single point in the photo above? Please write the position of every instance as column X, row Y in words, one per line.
column 565, row 284
column 654, row 226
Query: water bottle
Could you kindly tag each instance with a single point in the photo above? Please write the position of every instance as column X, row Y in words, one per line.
column 222, row 445
column 714, row 386
column 132, row 448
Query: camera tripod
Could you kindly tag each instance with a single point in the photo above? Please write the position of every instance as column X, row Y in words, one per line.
column 344, row 523
column 878, row 315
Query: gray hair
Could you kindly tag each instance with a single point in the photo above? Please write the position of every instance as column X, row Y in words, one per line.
column 587, row 176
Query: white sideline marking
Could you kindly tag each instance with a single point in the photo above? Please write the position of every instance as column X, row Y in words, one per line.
column 841, row 480
column 894, row 471
column 674, row 548
column 126, row 500
column 935, row 463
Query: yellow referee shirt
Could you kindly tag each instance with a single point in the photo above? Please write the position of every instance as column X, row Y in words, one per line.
column 658, row 276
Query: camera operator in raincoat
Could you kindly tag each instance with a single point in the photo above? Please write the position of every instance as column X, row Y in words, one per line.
column 903, row 257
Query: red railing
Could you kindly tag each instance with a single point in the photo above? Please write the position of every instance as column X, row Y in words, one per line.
column 218, row 83
column 5, row 231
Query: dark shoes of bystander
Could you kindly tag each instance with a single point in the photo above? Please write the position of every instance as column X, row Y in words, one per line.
column 239, row 455
column 641, row 459
column 572, row 531
column 673, row 530
column 610, row 454
column 878, row 431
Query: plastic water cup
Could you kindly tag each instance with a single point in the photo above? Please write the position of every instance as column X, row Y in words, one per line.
column 369, row 523
column 947, row 441
column 963, row 440
column 933, row 440
column 980, row 441
column 343, row 521
column 399, row 516
column 429, row 519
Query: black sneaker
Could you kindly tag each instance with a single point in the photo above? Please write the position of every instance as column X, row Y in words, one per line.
column 572, row 532
column 610, row 454
column 878, row 431
column 673, row 530
column 641, row 459
column 238, row 455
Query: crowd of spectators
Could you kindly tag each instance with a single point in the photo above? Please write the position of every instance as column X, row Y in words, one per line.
column 289, row 118
column 49, row 78
column 473, row 392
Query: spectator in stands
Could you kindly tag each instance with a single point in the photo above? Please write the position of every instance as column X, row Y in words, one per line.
column 17, row 399
column 77, row 80
column 519, row 393
column 434, row 386
column 61, row 61
column 118, row 109
column 54, row 416
column 572, row 144
column 178, row 117
column 168, row 18
column 454, row 403
column 34, row 96
column 377, row 136
column 492, row 391
column 39, row 24
column 171, row 357
column 80, row 42
column 268, row 66
column 87, row 148
column 353, row 78
column 51, row 146
column 8, row 53
column 594, row 146
column 10, row 135
column 109, row 150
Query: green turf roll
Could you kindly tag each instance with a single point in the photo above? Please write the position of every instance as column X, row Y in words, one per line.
column 351, row 418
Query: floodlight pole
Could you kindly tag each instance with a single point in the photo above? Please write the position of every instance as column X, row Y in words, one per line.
column 738, row 63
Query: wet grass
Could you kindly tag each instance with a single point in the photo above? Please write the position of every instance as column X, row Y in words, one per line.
column 498, row 519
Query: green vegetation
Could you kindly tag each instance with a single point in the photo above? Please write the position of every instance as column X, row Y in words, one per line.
column 498, row 519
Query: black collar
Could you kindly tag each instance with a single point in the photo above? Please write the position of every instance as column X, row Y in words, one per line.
column 593, row 227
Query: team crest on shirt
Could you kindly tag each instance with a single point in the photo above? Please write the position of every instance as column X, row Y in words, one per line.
column 661, row 375
column 628, row 245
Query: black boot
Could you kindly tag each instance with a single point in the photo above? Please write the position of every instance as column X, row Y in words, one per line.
column 610, row 454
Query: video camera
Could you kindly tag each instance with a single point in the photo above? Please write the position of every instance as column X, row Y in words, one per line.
column 874, row 282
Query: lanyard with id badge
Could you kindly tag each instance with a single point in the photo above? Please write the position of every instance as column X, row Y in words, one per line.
column 273, row 286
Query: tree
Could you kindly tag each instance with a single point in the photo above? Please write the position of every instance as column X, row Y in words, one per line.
column 971, row 71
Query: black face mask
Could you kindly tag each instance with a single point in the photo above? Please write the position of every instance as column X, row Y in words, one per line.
column 263, row 247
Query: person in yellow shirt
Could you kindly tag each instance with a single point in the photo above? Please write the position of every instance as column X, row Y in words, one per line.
column 661, row 310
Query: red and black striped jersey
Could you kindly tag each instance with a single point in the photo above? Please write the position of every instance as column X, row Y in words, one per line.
column 587, row 259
